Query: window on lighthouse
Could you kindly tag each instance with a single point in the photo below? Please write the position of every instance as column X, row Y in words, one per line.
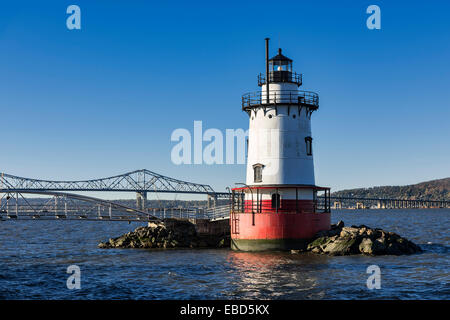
column 257, row 172
column 275, row 201
column 308, row 141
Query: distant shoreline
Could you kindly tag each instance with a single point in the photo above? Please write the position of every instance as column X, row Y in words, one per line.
column 434, row 190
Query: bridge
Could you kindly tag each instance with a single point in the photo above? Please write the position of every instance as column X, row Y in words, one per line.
column 386, row 203
column 62, row 203
column 67, row 206
column 135, row 181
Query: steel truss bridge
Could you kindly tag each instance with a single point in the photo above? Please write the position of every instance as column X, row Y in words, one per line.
column 135, row 181
column 64, row 204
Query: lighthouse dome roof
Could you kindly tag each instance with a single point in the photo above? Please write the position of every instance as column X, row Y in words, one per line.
column 280, row 57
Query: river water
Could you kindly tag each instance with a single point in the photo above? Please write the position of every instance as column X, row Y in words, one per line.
column 35, row 255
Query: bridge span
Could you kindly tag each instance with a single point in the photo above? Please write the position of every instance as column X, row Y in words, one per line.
column 63, row 203
column 139, row 181
column 134, row 181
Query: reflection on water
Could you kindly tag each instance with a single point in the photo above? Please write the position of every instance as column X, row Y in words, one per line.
column 273, row 275
column 35, row 255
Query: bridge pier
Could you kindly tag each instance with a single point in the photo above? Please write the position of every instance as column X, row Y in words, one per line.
column 381, row 204
column 337, row 205
column 212, row 199
column 141, row 200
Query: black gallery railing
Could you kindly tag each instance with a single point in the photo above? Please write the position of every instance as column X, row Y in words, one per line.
column 304, row 98
column 281, row 76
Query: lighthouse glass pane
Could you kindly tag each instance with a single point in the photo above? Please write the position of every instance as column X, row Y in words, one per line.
column 280, row 66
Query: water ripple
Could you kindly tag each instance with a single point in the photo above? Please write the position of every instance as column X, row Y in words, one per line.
column 36, row 254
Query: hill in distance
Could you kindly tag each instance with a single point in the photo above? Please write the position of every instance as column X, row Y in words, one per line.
column 429, row 190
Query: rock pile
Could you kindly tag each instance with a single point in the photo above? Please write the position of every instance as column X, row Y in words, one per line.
column 170, row 233
column 341, row 240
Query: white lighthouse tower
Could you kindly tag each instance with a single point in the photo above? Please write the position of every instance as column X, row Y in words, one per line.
column 280, row 139
column 278, row 208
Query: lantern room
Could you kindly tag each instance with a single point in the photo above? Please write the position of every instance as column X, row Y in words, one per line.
column 280, row 63
column 280, row 70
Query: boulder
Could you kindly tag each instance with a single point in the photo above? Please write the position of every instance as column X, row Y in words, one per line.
column 172, row 233
column 340, row 240
column 366, row 246
column 351, row 232
column 319, row 244
column 369, row 247
column 341, row 247
column 340, row 224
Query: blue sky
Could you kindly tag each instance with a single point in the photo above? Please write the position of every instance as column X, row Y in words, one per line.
column 103, row 100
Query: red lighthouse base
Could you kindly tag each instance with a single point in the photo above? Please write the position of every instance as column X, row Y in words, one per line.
column 258, row 224
column 275, row 231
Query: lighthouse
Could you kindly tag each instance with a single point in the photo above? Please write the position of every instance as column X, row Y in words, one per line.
column 279, row 206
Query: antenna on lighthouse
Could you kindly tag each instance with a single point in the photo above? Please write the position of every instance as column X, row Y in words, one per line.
column 267, row 70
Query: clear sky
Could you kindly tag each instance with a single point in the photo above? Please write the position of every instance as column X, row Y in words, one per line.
column 103, row 100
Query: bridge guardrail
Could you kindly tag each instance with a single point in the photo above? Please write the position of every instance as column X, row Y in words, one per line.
column 191, row 213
